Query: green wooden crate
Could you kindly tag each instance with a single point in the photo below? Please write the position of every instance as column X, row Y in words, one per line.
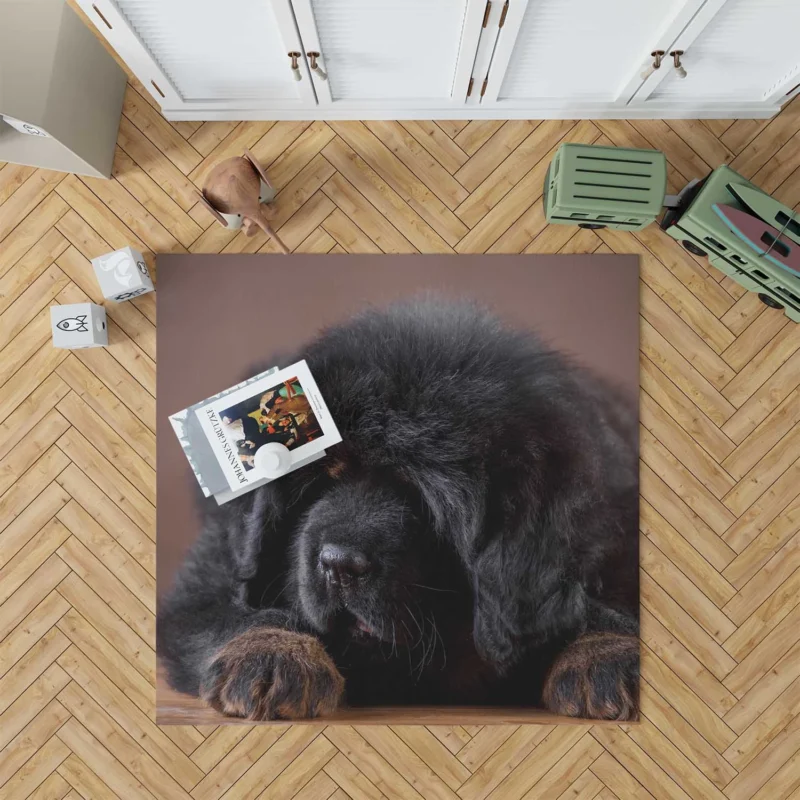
column 605, row 187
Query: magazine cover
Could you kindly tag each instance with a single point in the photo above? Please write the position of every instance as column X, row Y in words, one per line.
column 284, row 409
column 196, row 446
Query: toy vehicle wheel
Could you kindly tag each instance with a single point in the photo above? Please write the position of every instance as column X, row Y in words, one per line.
column 769, row 301
column 592, row 226
column 693, row 248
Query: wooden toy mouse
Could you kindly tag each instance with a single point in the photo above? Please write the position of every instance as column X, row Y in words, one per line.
column 234, row 192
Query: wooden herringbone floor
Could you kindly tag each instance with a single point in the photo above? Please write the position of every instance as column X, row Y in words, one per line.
column 720, row 411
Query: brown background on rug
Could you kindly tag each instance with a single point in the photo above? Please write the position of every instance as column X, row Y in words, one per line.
column 221, row 318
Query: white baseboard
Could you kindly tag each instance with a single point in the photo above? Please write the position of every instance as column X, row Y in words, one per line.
column 649, row 111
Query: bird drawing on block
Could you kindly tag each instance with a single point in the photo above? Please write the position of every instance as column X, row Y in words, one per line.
column 234, row 189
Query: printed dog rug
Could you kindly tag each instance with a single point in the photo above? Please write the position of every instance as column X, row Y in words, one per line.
column 419, row 502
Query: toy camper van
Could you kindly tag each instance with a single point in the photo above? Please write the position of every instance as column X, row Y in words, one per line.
column 699, row 226
column 745, row 233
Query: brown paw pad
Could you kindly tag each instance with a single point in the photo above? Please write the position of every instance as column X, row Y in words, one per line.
column 268, row 673
column 596, row 677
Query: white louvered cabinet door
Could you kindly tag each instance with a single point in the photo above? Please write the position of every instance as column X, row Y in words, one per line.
column 390, row 53
column 748, row 50
column 231, row 55
column 561, row 53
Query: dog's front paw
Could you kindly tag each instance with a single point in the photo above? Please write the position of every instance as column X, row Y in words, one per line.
column 597, row 676
column 269, row 673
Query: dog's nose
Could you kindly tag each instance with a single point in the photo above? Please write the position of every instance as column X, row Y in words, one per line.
column 342, row 564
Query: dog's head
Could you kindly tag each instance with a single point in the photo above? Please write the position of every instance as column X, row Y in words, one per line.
column 367, row 566
column 437, row 503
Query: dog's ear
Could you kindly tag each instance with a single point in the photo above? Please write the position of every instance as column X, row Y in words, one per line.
column 258, row 523
column 249, row 522
column 526, row 591
column 456, row 503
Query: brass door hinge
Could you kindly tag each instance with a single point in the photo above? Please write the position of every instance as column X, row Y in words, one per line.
column 469, row 88
column 486, row 13
column 503, row 15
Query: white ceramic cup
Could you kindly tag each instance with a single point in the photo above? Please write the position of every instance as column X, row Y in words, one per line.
column 273, row 459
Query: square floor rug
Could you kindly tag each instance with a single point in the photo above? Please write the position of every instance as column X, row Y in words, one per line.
column 467, row 553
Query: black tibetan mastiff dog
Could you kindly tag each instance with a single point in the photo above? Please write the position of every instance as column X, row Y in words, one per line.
column 473, row 539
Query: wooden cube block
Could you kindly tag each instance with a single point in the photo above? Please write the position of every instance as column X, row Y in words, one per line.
column 122, row 275
column 79, row 325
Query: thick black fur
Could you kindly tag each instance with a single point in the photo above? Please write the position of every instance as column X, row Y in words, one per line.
column 493, row 487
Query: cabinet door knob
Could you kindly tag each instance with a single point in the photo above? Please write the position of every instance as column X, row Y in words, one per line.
column 296, row 74
column 657, row 56
column 315, row 68
column 676, row 58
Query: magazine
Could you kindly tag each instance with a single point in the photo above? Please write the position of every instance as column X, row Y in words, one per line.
column 255, row 432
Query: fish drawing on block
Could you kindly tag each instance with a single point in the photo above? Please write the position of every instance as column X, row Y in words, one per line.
column 77, row 324
column 761, row 237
